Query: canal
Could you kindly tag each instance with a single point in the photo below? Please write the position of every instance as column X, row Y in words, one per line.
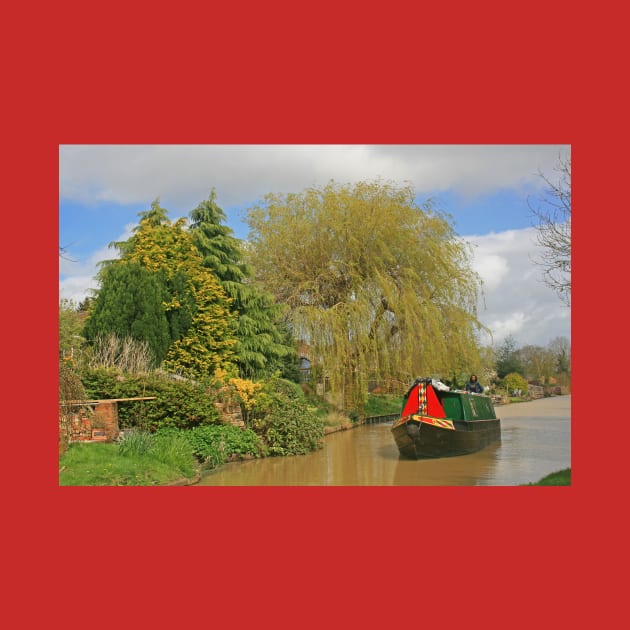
column 535, row 441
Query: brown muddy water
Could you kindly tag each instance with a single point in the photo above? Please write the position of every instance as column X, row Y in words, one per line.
column 535, row 441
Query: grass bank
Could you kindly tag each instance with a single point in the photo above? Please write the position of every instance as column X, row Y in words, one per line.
column 558, row 478
column 383, row 404
column 100, row 464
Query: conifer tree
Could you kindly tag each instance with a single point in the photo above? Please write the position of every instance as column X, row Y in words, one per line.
column 508, row 359
column 197, row 312
column 261, row 346
column 219, row 249
column 130, row 304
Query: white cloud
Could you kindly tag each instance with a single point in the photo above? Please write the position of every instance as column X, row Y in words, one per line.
column 182, row 175
column 76, row 288
column 77, row 277
column 512, row 325
column 516, row 301
column 492, row 268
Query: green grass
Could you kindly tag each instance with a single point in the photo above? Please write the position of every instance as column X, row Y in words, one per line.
column 558, row 478
column 101, row 464
column 383, row 404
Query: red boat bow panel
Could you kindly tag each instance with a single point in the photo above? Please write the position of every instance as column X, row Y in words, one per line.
column 423, row 395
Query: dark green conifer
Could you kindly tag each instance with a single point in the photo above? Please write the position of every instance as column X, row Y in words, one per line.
column 262, row 346
column 130, row 304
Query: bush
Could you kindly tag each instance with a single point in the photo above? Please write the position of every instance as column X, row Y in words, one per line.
column 289, row 389
column 223, row 441
column 214, row 444
column 292, row 428
column 179, row 404
column 283, row 419
column 515, row 381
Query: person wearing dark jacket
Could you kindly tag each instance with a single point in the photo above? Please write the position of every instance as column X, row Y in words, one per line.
column 474, row 385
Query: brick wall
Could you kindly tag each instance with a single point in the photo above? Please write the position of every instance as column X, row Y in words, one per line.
column 97, row 422
column 92, row 420
column 106, row 413
column 230, row 413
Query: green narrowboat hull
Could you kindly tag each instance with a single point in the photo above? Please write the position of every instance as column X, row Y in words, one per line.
column 419, row 440
column 444, row 423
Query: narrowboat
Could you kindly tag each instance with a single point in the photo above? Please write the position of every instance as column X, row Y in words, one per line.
column 437, row 421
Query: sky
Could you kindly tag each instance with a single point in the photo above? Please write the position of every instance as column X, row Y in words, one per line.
column 486, row 191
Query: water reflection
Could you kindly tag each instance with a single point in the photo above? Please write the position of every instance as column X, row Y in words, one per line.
column 531, row 447
column 465, row 470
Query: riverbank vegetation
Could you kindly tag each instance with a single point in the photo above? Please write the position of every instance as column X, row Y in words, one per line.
column 383, row 404
column 165, row 457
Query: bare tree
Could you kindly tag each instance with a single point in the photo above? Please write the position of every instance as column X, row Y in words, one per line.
column 63, row 253
column 552, row 212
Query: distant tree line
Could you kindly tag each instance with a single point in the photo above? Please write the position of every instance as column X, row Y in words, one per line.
column 542, row 365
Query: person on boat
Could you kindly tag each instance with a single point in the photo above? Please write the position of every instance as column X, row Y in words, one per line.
column 474, row 385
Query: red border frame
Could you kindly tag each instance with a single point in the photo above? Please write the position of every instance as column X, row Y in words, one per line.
column 262, row 74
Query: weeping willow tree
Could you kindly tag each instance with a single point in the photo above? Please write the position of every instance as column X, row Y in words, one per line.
column 376, row 286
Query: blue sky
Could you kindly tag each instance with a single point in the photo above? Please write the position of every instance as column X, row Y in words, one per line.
column 84, row 227
column 485, row 189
